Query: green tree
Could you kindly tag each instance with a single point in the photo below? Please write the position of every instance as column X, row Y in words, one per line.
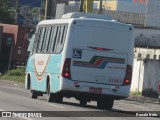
column 7, row 11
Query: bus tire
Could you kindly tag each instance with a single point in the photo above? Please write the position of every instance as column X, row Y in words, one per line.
column 109, row 104
column 83, row 102
column 28, row 82
column 106, row 104
column 50, row 96
column 100, row 104
column 58, row 99
column 33, row 94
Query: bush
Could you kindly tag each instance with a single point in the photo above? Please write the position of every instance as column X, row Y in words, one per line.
column 150, row 93
column 16, row 72
column 14, row 75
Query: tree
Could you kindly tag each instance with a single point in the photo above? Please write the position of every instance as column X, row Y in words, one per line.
column 7, row 11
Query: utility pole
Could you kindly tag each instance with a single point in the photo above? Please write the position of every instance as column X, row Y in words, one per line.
column 100, row 7
column 86, row 6
column 81, row 6
column 51, row 6
column 17, row 4
column 17, row 10
column 50, row 9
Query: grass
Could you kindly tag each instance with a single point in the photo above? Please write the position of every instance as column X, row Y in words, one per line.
column 136, row 93
column 17, row 75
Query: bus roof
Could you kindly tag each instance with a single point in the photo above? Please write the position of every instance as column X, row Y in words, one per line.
column 55, row 21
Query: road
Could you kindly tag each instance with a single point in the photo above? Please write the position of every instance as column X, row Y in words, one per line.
column 16, row 98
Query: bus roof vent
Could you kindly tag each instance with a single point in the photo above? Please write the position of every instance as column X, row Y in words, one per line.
column 85, row 15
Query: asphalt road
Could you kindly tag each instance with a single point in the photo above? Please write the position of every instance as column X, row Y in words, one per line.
column 16, row 98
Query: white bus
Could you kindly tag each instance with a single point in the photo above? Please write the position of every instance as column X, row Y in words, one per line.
column 83, row 56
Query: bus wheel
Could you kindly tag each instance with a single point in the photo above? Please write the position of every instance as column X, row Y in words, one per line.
column 100, row 104
column 58, row 99
column 109, row 104
column 50, row 96
column 105, row 104
column 83, row 102
column 33, row 94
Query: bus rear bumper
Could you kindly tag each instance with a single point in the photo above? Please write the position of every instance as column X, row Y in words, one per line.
column 73, row 88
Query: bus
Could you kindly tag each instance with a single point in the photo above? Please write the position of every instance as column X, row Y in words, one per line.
column 84, row 56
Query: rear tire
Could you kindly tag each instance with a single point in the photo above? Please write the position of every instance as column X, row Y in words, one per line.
column 33, row 94
column 105, row 103
column 83, row 102
column 58, row 98
column 100, row 104
column 109, row 104
column 50, row 96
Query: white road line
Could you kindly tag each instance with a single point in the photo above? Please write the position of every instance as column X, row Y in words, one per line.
column 55, row 105
column 2, row 110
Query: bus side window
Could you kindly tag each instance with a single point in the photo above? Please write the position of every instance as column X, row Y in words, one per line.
column 60, row 43
column 60, row 34
column 49, row 39
column 53, row 39
column 46, row 40
column 64, row 34
column 41, row 40
column 37, row 38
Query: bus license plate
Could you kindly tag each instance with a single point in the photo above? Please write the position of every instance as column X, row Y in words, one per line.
column 95, row 90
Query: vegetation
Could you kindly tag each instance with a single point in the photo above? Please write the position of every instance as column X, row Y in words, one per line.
column 150, row 93
column 15, row 75
column 7, row 11
column 136, row 93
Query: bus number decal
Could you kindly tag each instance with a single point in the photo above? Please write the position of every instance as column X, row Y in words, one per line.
column 40, row 62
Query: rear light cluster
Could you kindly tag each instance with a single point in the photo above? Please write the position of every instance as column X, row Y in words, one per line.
column 66, row 72
column 128, row 76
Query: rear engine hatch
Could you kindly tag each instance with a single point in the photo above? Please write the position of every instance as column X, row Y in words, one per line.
column 98, row 66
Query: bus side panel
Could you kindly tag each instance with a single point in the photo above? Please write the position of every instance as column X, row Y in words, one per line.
column 54, row 70
column 39, row 63
column 38, row 85
column 29, row 69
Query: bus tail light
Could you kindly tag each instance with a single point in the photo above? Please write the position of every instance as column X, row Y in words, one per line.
column 128, row 76
column 66, row 73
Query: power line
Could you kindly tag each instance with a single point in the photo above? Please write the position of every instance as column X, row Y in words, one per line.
column 28, row 23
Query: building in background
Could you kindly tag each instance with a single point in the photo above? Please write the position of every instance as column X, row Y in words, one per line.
column 151, row 9
column 141, row 12
column 135, row 6
column 14, row 44
column 153, row 13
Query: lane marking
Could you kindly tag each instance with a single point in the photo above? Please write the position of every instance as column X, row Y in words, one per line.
column 2, row 110
column 55, row 105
